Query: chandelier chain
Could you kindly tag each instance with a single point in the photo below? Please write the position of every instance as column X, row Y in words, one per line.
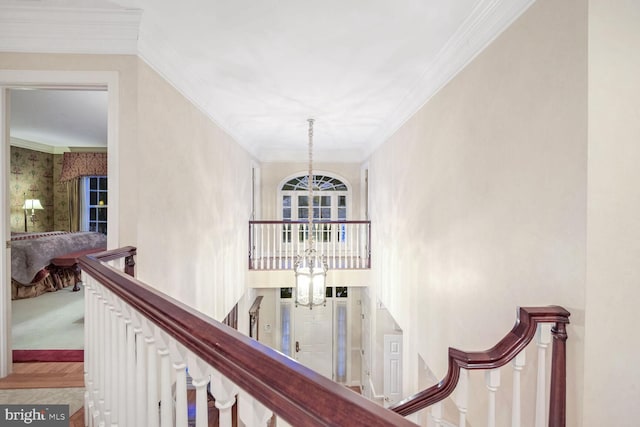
column 310, row 184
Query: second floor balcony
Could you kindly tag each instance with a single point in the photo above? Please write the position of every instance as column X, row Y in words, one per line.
column 274, row 245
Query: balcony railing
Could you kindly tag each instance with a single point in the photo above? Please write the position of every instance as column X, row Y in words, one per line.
column 274, row 245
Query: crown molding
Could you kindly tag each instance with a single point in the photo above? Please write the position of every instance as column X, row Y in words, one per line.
column 51, row 149
column 35, row 146
column 69, row 30
column 485, row 23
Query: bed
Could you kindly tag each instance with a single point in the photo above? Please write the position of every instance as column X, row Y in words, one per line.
column 31, row 253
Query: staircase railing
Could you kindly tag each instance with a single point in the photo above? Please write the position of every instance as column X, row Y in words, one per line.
column 144, row 350
column 544, row 323
column 141, row 347
column 274, row 245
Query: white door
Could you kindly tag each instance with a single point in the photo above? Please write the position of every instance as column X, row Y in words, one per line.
column 313, row 338
column 392, row 387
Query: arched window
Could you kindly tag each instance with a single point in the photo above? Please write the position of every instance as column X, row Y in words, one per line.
column 330, row 200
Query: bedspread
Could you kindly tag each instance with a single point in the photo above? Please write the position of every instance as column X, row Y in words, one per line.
column 29, row 256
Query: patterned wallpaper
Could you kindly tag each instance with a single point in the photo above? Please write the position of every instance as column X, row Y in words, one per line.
column 32, row 177
column 60, row 198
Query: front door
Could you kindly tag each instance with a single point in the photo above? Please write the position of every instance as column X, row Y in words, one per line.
column 313, row 338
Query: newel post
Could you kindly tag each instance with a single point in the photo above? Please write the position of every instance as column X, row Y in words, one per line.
column 129, row 265
column 558, row 394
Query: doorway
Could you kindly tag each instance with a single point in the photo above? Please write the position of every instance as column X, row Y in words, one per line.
column 319, row 338
column 11, row 79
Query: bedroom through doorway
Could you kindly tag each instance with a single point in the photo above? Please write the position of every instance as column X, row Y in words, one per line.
column 44, row 124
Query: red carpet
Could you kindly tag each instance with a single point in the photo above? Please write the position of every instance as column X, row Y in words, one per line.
column 48, row 356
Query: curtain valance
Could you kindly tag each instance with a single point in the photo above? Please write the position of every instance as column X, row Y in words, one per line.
column 75, row 165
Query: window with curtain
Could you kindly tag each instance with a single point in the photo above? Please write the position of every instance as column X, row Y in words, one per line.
column 94, row 203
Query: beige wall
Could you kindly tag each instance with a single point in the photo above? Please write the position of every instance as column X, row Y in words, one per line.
column 612, row 376
column 194, row 194
column 479, row 201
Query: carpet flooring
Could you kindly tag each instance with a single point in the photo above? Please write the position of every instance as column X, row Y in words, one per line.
column 74, row 397
column 54, row 320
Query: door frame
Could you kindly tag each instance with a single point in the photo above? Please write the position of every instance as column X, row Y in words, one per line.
column 10, row 79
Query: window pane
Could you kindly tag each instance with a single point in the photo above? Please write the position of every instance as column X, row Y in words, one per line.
column 102, row 228
column 303, row 201
column 93, row 198
column 341, row 292
column 329, row 292
column 285, row 328
column 103, row 184
column 93, row 183
column 103, row 197
column 286, row 292
column 102, row 214
column 92, row 214
column 342, row 214
column 326, row 213
column 303, row 213
column 342, row 201
column 326, row 200
column 286, row 214
column 341, row 350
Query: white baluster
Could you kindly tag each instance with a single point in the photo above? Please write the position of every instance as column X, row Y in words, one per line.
column 202, row 409
column 357, row 245
column 98, row 364
column 182, row 415
column 113, row 367
column 152, row 382
column 436, row 414
column 543, row 338
column 122, row 389
column 279, row 237
column 269, row 245
column 262, row 247
column 130, row 368
column 224, row 393
column 518, row 365
column 141, row 375
column 89, row 354
column 201, row 375
column 108, row 369
column 251, row 412
column 492, row 378
column 166, row 400
column 102, row 366
column 178, row 357
column 88, row 348
column 462, row 397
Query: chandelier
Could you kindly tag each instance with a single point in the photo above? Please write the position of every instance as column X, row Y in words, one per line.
column 310, row 268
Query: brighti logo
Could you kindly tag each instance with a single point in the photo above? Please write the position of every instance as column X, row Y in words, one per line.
column 27, row 416
column 34, row 415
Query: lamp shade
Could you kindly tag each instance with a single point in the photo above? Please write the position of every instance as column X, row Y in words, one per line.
column 32, row 204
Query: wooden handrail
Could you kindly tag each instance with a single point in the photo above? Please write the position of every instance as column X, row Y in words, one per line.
column 270, row 221
column 297, row 394
column 516, row 340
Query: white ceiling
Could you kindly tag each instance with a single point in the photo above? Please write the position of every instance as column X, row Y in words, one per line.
column 260, row 69
column 59, row 118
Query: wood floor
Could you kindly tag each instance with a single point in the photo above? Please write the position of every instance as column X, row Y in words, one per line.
column 48, row 375
column 44, row 375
